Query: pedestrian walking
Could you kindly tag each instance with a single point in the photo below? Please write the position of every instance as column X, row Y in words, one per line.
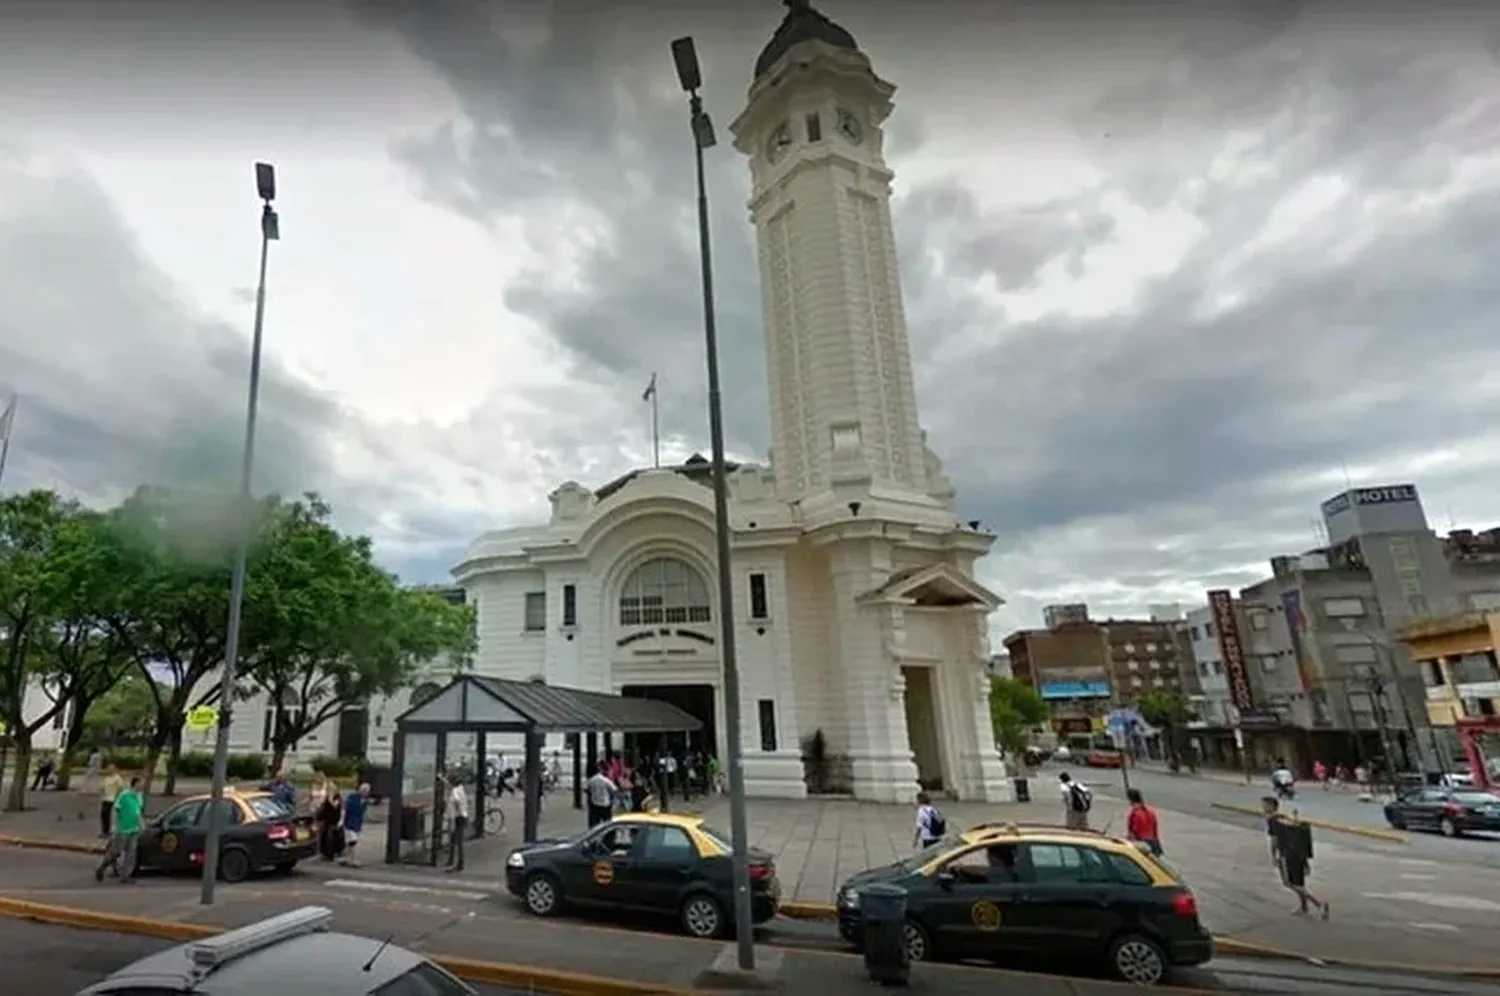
column 930, row 822
column 120, row 853
column 458, row 812
column 355, row 807
column 1141, row 824
column 92, row 770
column 109, row 790
column 330, row 820
column 1077, row 800
column 1292, row 850
column 602, row 792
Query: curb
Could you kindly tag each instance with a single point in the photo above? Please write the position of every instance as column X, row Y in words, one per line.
column 1373, row 833
column 52, row 844
column 808, row 911
column 526, row 977
column 1244, row 949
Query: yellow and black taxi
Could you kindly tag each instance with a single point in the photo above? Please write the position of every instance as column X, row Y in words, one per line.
column 1028, row 893
column 259, row 834
column 669, row 863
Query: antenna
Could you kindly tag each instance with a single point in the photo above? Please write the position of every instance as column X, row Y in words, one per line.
column 1343, row 466
column 378, row 952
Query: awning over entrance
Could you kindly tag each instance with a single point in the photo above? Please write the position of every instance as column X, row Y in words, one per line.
column 937, row 585
column 476, row 704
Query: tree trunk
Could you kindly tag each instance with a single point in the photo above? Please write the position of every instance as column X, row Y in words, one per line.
column 278, row 760
column 158, row 743
column 15, row 800
column 174, row 754
column 78, row 708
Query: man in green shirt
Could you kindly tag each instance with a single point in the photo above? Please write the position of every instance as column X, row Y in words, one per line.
column 119, row 856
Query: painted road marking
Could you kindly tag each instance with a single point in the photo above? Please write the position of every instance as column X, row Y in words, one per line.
column 377, row 886
column 1424, row 925
column 1443, row 900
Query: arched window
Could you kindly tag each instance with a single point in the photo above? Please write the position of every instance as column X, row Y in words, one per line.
column 664, row 590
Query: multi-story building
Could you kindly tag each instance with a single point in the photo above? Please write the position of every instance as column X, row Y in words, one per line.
column 1212, row 700
column 1321, row 634
column 1083, row 668
column 1457, row 662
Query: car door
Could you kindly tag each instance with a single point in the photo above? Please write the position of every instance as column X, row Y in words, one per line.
column 1423, row 809
column 972, row 904
column 662, row 862
column 231, row 821
column 162, row 843
column 606, row 857
column 1072, row 902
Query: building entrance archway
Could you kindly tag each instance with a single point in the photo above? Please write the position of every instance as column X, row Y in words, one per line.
column 697, row 700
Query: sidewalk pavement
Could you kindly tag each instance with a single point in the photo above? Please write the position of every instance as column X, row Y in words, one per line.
column 1388, row 906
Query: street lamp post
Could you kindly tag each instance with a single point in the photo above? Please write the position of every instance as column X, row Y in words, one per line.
column 685, row 56
column 270, row 231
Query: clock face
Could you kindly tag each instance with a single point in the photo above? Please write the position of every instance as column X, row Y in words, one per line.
column 850, row 128
column 779, row 142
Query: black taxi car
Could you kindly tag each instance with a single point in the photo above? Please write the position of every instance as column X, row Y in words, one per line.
column 1014, row 893
column 259, row 834
column 669, row 863
column 1451, row 812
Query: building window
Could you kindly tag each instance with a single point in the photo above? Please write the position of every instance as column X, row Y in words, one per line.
column 1218, row 667
column 814, row 128
column 1193, row 634
column 760, row 608
column 570, row 605
column 1203, row 669
column 1258, row 621
column 1130, row 648
column 1343, row 608
column 291, row 716
column 1433, row 671
column 767, row 709
column 664, row 590
column 1208, row 630
column 536, row 612
column 1133, row 665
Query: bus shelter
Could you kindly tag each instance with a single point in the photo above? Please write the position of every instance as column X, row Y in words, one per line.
column 473, row 709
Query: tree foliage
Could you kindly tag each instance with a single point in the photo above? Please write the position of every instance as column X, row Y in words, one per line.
column 1015, row 709
column 123, row 616
column 326, row 628
column 1169, row 712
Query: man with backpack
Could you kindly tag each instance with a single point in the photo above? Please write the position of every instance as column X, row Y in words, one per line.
column 1077, row 801
column 930, row 823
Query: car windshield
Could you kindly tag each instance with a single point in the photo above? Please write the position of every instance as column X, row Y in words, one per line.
column 266, row 808
column 926, row 854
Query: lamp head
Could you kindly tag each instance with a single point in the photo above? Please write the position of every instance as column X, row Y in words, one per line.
column 265, row 181
column 685, row 57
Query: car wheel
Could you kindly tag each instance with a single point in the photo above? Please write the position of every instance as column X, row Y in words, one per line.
column 543, row 895
column 702, row 916
column 918, row 944
column 1448, row 827
column 234, row 865
column 1138, row 960
column 1395, row 820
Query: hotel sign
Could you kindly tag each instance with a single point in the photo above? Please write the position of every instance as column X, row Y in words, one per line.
column 1221, row 605
column 1391, row 494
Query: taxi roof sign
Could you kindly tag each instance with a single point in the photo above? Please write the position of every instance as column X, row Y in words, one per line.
column 216, row 952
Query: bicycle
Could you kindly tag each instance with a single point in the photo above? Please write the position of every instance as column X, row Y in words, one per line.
column 494, row 819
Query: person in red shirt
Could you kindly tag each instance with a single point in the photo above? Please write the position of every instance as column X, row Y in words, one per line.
column 1141, row 825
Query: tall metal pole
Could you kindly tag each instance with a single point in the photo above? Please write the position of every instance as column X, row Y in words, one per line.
column 655, row 425
column 739, row 830
column 269, row 231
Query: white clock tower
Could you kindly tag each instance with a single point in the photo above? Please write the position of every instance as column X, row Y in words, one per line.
column 884, row 607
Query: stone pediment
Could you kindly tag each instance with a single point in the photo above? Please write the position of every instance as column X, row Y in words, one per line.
column 935, row 586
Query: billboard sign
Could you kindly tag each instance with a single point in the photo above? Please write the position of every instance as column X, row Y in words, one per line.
column 1390, row 494
column 1231, row 651
column 1074, row 690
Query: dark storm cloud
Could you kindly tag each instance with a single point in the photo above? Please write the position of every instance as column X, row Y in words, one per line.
column 120, row 384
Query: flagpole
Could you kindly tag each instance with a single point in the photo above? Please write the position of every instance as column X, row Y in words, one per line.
column 10, row 421
column 655, row 427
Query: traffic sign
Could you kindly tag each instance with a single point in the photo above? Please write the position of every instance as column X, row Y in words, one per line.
column 202, row 719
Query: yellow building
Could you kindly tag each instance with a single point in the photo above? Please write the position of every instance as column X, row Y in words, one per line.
column 1457, row 660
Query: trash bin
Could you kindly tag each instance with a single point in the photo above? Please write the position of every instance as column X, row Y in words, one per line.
column 1023, row 790
column 413, row 825
column 882, row 911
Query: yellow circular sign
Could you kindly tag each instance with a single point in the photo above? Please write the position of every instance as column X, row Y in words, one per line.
column 604, row 872
column 169, row 842
column 202, row 719
column 986, row 915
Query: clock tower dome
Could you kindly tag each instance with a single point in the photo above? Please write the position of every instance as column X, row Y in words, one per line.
column 844, row 419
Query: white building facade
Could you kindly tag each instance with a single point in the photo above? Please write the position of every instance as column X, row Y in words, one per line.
column 1215, row 707
column 857, row 613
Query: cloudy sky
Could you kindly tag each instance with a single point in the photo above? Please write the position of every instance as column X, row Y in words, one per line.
column 1171, row 271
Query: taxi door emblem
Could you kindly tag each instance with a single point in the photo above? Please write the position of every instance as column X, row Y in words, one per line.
column 986, row 915
column 604, row 872
column 169, row 842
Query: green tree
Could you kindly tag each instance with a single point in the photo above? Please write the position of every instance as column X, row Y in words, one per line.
column 57, row 567
column 327, row 629
column 170, row 612
column 1169, row 712
column 124, row 715
column 1015, row 709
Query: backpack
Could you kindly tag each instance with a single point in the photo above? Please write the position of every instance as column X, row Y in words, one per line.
column 1080, row 799
column 936, row 825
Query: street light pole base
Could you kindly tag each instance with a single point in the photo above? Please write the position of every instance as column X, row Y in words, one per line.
column 725, row 974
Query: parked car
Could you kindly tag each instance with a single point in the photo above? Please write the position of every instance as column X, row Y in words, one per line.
column 1451, row 812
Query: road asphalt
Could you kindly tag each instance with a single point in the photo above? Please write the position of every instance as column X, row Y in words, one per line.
column 43, row 960
column 460, row 920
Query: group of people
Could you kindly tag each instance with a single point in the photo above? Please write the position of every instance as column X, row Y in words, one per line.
column 338, row 817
